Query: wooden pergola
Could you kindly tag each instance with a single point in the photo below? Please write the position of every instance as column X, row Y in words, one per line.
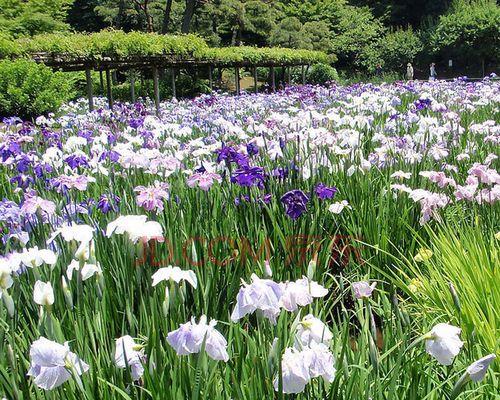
column 155, row 64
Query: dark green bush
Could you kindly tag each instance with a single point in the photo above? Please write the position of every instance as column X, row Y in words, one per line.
column 322, row 73
column 28, row 89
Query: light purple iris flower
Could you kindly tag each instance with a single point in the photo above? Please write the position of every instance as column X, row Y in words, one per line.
column 128, row 353
column 363, row 289
column 32, row 204
column 52, row 363
column 65, row 182
column 299, row 367
column 151, row 198
column 188, row 339
column 263, row 295
column 300, row 293
column 204, row 180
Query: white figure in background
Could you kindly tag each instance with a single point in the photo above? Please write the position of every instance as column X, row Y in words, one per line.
column 409, row 72
column 432, row 72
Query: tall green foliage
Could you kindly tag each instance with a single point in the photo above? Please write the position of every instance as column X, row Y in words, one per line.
column 399, row 47
column 470, row 30
column 288, row 33
column 28, row 89
column 349, row 32
column 30, row 17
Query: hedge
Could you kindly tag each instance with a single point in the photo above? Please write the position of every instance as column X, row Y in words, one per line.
column 29, row 89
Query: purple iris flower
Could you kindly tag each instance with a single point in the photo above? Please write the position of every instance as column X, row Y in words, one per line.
column 86, row 133
column 64, row 182
column 11, row 213
column 41, row 169
column 12, row 121
column 108, row 202
column 295, row 202
column 230, row 155
column 10, row 150
column 241, row 199
column 267, row 198
column 422, row 104
column 111, row 138
column 136, row 122
column 325, row 192
column 249, row 176
column 112, row 155
column 23, row 181
column 23, row 164
column 252, row 149
column 280, row 173
column 75, row 161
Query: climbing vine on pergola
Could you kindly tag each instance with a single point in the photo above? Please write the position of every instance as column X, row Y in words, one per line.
column 116, row 50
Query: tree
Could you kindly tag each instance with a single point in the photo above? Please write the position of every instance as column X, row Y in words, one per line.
column 399, row 47
column 397, row 13
column 314, row 10
column 319, row 35
column 166, row 16
column 129, row 15
column 246, row 21
column 353, row 30
column 471, row 30
column 189, row 11
column 357, row 32
column 82, row 16
column 143, row 5
column 30, row 17
column 289, row 33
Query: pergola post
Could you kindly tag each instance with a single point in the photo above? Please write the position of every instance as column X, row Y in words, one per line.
column 172, row 73
column 142, row 84
column 88, row 77
column 108, row 89
column 273, row 80
column 132, row 86
column 101, row 81
column 237, row 79
column 303, row 70
column 255, row 89
column 156, row 89
column 210, row 78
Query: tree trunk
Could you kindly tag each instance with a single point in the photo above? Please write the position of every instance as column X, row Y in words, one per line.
column 149, row 19
column 188, row 15
column 143, row 6
column 166, row 17
column 121, row 13
column 233, row 37
column 238, row 36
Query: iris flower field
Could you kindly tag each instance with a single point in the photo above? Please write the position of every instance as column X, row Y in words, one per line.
column 335, row 242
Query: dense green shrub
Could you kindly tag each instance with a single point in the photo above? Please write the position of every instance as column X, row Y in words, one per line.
column 322, row 73
column 28, row 89
column 8, row 47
